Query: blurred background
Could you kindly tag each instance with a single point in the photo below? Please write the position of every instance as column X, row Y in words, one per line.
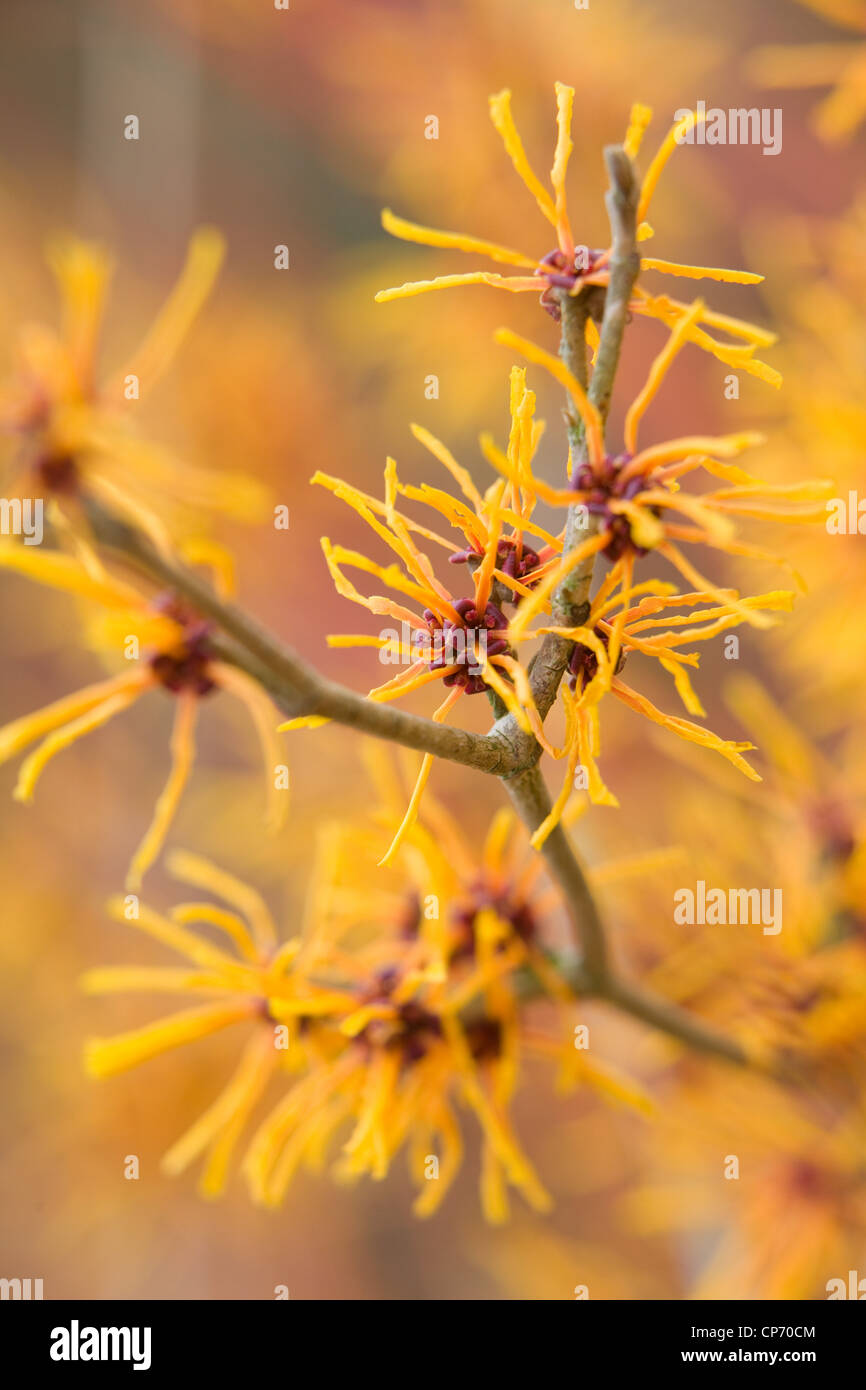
column 295, row 127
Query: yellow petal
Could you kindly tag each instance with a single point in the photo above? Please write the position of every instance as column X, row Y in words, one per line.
column 457, row 241
column 500, row 115
column 108, row 1056
column 157, row 352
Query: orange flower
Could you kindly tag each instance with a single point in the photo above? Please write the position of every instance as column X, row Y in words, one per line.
column 617, row 628
column 623, row 499
column 570, row 268
column 175, row 655
column 72, row 435
column 461, row 641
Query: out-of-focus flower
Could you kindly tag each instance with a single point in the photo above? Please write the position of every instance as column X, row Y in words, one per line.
column 789, row 1217
column 398, row 1000
column 453, row 934
column 840, row 65
column 572, row 267
column 253, row 980
column 824, row 800
column 773, row 1176
column 71, row 433
column 823, row 425
column 168, row 644
column 799, row 992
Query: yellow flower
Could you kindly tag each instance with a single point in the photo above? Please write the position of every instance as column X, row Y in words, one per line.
column 405, row 1066
column 173, row 643
column 570, row 268
column 616, row 628
column 385, row 1013
column 625, row 497
column 252, row 980
column 797, row 993
column 462, row 641
column 841, row 66
column 450, row 933
column 71, row 432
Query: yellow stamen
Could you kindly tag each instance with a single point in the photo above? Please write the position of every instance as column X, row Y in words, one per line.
column 122, row 979
column 201, row 952
column 221, row 1123
column 17, row 734
column 702, row 272
column 220, row 917
column 639, row 119
column 82, row 271
column 674, row 136
column 460, row 475
column 692, row 733
column 564, row 147
column 426, row 767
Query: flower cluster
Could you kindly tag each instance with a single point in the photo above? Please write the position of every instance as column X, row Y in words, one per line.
column 625, row 506
column 377, row 1020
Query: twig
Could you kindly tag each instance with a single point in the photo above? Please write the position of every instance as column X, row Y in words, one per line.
column 570, row 602
column 668, row 1018
column 532, row 803
column 621, row 201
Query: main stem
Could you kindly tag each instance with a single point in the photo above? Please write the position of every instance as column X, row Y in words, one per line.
column 570, row 602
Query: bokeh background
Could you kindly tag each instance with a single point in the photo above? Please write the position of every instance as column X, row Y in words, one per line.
column 297, row 127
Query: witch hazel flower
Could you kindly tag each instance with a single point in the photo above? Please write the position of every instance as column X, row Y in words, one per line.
column 572, row 268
